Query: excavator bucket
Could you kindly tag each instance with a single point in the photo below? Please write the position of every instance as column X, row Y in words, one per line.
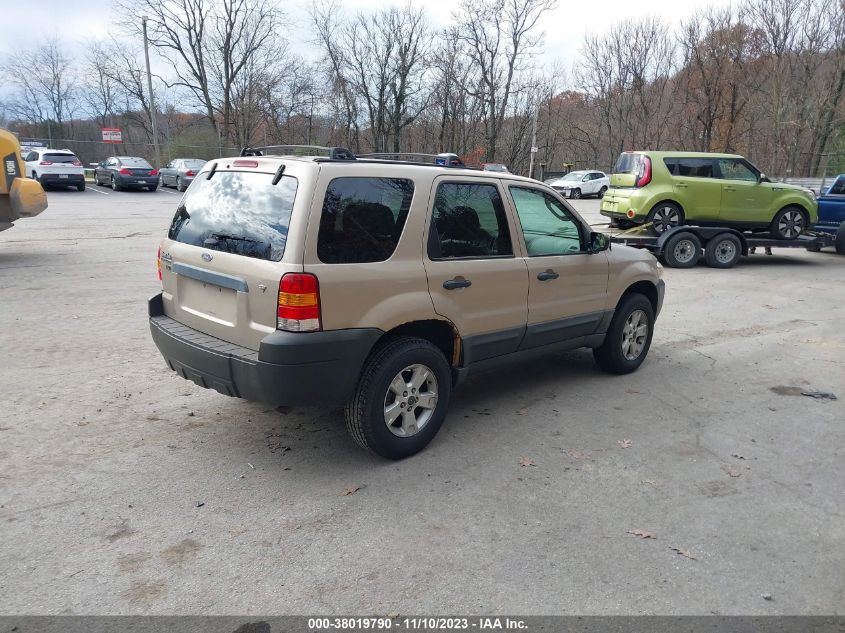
column 19, row 196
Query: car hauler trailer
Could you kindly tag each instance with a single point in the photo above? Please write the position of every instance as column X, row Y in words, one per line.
column 721, row 247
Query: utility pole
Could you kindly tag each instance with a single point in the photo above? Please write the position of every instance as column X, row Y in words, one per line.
column 150, row 87
column 533, row 142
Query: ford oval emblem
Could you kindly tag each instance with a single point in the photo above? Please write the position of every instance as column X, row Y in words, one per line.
column 207, row 257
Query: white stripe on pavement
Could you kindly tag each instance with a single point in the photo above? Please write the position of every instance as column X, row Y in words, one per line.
column 96, row 190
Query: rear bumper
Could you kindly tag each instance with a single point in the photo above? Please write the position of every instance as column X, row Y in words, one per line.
column 137, row 181
column 61, row 179
column 288, row 369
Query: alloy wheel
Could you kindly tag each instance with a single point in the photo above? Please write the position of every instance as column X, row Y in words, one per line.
column 791, row 224
column 410, row 400
column 634, row 334
column 665, row 218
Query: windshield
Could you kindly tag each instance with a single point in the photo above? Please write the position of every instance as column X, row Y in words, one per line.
column 237, row 212
column 574, row 175
column 60, row 158
column 131, row 161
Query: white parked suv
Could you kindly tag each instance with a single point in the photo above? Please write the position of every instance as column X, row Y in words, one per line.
column 580, row 184
column 56, row 167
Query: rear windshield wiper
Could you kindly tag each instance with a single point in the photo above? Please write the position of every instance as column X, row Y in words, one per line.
column 235, row 238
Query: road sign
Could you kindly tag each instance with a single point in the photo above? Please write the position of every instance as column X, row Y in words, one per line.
column 112, row 135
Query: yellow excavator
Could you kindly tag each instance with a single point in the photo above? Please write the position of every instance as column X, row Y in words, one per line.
column 20, row 197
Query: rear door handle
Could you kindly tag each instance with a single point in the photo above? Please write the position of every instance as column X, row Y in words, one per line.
column 729, row 189
column 682, row 185
column 547, row 275
column 457, row 282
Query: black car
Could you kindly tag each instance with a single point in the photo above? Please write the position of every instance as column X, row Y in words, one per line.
column 126, row 172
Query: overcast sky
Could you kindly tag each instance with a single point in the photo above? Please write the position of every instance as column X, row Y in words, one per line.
column 24, row 23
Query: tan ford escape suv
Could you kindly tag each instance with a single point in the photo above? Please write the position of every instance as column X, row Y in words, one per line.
column 381, row 285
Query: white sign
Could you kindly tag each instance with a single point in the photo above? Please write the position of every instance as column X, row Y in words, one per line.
column 112, row 135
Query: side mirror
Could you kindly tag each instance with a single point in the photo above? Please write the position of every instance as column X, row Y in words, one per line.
column 599, row 242
column 26, row 198
column 762, row 178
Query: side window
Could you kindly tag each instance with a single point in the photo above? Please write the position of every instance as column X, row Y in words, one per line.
column 362, row 219
column 693, row 167
column 838, row 187
column 733, row 169
column 547, row 225
column 468, row 220
column 32, row 156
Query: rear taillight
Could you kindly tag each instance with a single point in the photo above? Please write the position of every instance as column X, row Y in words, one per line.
column 125, row 172
column 154, row 172
column 77, row 163
column 190, row 172
column 299, row 303
column 645, row 177
column 158, row 262
column 45, row 162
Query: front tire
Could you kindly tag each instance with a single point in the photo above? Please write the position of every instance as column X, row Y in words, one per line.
column 401, row 398
column 628, row 338
column 682, row 250
column 788, row 224
column 575, row 194
column 665, row 216
column 723, row 251
column 839, row 242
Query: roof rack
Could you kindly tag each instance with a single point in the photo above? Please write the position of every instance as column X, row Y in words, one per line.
column 333, row 153
column 445, row 159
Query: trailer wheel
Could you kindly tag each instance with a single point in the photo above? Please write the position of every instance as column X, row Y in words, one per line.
column 839, row 244
column 682, row 250
column 723, row 251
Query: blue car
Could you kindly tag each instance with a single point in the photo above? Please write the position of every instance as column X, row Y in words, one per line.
column 832, row 212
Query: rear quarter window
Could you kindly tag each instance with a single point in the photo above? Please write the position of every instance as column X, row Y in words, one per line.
column 362, row 219
column 237, row 212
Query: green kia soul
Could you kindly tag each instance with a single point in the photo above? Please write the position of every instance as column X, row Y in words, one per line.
column 673, row 188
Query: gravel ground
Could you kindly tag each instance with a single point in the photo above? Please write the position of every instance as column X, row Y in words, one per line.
column 125, row 489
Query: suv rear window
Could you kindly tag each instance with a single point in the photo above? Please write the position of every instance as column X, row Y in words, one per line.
column 60, row 158
column 362, row 219
column 237, row 212
column 628, row 163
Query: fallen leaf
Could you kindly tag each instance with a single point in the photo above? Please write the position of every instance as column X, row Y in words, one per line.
column 526, row 461
column 733, row 472
column 576, row 453
column 522, row 411
column 642, row 533
column 650, row 482
column 770, row 307
column 625, row 443
column 683, row 552
column 737, row 455
column 631, row 391
column 350, row 490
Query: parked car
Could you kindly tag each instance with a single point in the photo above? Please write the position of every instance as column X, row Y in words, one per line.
column 381, row 285
column 180, row 172
column 832, row 212
column 55, row 167
column 126, row 172
column 495, row 167
column 583, row 183
column 669, row 189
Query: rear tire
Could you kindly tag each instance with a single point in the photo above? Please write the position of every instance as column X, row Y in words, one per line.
column 839, row 242
column 376, row 398
column 179, row 186
column 114, row 185
column 665, row 216
column 80, row 187
column 601, row 192
column 682, row 250
column 788, row 224
column 628, row 338
column 723, row 251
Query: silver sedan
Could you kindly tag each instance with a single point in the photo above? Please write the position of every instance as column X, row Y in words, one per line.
column 180, row 172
